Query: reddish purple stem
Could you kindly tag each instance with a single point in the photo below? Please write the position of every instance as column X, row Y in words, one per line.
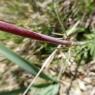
column 11, row 28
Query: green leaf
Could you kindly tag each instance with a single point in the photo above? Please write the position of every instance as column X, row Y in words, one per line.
column 22, row 62
column 13, row 92
column 91, row 47
column 51, row 89
column 41, row 85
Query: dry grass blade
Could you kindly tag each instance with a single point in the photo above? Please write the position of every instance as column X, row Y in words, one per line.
column 72, row 29
column 51, row 57
column 45, row 65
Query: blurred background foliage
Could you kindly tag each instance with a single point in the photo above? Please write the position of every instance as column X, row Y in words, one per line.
column 54, row 18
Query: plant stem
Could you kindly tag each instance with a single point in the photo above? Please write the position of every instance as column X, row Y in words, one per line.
column 11, row 28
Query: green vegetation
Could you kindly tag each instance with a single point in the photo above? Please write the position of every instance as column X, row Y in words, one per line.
column 65, row 19
column 7, row 36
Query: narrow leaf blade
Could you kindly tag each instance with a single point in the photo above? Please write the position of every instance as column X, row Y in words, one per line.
column 22, row 62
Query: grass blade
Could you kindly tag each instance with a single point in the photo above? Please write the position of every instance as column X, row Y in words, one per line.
column 13, row 92
column 22, row 62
